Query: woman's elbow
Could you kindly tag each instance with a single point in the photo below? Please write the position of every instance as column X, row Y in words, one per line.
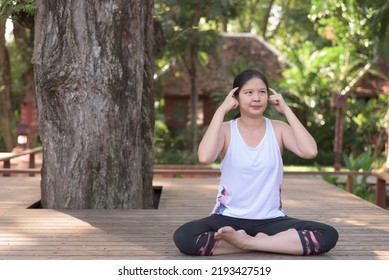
column 311, row 154
column 205, row 159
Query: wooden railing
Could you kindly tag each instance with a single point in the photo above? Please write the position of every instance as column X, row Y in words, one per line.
column 193, row 171
column 31, row 170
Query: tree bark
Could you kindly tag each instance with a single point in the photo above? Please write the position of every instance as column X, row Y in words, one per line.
column 6, row 112
column 93, row 63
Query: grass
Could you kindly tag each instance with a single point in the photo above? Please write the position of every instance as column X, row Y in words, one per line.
column 307, row 168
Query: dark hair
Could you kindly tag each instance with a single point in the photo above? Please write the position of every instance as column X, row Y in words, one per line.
column 244, row 77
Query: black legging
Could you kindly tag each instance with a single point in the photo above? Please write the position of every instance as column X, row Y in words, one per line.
column 197, row 237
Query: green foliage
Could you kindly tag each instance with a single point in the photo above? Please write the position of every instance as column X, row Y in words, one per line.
column 306, row 88
column 358, row 24
column 188, row 25
column 174, row 148
column 9, row 7
column 19, row 67
column 365, row 119
column 171, row 147
column 361, row 162
column 319, row 69
column 191, row 39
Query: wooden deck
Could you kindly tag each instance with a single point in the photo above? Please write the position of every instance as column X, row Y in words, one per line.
column 147, row 234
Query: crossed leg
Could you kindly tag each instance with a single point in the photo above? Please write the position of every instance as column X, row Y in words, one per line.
column 216, row 234
column 236, row 241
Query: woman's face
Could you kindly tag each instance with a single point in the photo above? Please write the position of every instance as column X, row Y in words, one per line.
column 253, row 97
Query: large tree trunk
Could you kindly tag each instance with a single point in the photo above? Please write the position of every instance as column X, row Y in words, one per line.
column 6, row 112
column 93, row 63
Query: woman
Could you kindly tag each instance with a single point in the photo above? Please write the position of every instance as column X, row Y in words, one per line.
column 248, row 214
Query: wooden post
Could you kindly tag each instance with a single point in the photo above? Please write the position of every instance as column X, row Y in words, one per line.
column 350, row 183
column 31, row 163
column 380, row 193
column 7, row 164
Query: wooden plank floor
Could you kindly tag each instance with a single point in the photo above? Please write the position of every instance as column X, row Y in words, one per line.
column 147, row 234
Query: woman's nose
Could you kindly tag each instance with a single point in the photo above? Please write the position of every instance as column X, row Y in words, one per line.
column 257, row 96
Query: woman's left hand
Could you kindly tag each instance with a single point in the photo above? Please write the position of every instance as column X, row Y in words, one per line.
column 277, row 101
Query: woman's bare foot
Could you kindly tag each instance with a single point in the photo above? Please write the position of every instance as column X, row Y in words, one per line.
column 286, row 242
column 237, row 238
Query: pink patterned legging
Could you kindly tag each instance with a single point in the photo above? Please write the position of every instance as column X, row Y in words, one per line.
column 197, row 237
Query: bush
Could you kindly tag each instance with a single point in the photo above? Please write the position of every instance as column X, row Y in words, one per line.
column 172, row 147
column 361, row 162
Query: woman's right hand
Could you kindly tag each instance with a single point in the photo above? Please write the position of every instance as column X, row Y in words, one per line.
column 213, row 140
column 230, row 102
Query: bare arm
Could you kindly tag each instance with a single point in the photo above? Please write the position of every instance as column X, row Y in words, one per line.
column 213, row 140
column 295, row 137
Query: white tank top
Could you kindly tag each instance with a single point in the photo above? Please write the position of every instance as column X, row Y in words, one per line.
column 251, row 178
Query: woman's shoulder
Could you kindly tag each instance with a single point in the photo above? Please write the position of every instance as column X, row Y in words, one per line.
column 226, row 126
column 279, row 126
column 226, row 134
column 278, row 123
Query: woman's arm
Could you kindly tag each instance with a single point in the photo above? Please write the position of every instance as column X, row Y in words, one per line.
column 213, row 140
column 295, row 137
